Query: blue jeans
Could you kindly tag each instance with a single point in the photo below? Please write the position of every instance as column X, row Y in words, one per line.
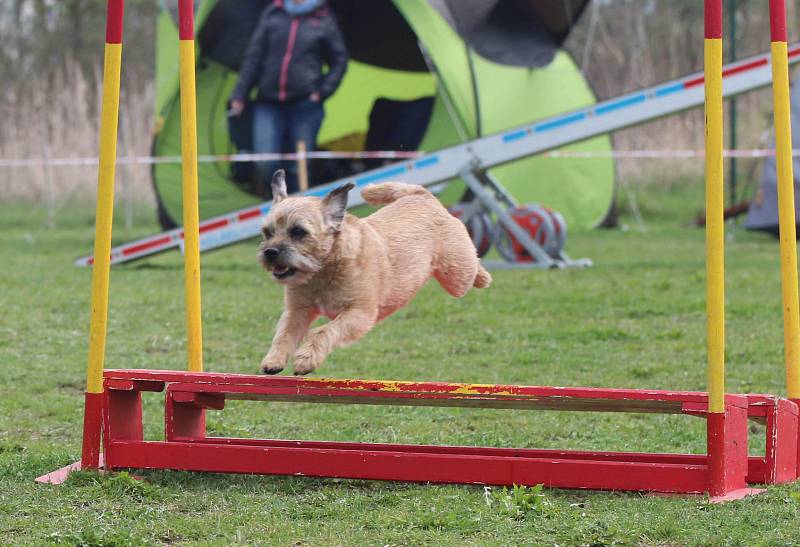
column 277, row 127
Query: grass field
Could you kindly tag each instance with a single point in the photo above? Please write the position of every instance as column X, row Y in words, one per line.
column 636, row 319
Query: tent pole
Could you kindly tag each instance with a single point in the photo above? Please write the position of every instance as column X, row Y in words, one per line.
column 475, row 97
column 458, row 123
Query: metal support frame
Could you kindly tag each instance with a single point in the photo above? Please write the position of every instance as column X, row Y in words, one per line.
column 494, row 197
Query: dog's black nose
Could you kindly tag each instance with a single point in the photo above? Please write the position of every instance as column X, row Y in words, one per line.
column 271, row 253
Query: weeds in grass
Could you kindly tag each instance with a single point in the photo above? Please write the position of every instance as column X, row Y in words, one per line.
column 519, row 502
column 94, row 538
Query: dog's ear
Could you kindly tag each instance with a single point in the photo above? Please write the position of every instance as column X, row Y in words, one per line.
column 279, row 186
column 335, row 204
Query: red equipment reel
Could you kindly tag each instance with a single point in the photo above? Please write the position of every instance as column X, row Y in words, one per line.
column 544, row 226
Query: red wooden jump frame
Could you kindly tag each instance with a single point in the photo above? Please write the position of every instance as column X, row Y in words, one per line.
column 189, row 395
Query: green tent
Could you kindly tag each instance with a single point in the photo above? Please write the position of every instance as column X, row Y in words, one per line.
column 487, row 65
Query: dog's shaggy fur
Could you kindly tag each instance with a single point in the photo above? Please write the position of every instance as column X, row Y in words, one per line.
column 357, row 271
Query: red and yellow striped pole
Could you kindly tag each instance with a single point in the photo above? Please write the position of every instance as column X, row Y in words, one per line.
column 715, row 250
column 786, row 212
column 92, row 418
column 191, row 222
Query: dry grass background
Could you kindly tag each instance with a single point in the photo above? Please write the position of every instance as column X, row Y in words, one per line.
column 622, row 45
column 50, row 86
column 58, row 117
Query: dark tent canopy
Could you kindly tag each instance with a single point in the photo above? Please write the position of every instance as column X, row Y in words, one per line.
column 524, row 33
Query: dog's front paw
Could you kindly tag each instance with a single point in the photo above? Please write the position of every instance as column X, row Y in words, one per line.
column 272, row 365
column 306, row 360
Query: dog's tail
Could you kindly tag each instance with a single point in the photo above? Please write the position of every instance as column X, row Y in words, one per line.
column 482, row 279
column 387, row 192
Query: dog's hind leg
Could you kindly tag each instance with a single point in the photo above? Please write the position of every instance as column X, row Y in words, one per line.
column 457, row 267
column 455, row 278
column 483, row 278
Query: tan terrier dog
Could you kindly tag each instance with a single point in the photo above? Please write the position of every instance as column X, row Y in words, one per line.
column 356, row 271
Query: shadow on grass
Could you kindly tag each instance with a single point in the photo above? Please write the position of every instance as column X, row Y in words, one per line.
column 275, row 484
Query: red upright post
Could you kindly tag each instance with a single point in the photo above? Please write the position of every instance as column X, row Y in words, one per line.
column 786, row 199
column 92, row 418
column 718, row 414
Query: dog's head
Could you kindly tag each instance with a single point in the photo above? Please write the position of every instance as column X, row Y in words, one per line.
column 299, row 232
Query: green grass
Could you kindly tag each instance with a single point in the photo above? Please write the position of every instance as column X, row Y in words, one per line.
column 636, row 319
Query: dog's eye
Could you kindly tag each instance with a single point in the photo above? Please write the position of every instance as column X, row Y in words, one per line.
column 297, row 232
column 267, row 233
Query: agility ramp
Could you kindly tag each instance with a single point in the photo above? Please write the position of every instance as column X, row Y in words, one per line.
column 481, row 154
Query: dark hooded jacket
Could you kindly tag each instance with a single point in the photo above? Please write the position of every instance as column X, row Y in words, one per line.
column 285, row 57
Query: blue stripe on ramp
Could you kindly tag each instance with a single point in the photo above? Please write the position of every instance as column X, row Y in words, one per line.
column 516, row 135
column 669, row 89
column 560, row 122
column 426, row 162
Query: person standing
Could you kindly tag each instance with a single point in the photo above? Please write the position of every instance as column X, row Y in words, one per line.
column 285, row 59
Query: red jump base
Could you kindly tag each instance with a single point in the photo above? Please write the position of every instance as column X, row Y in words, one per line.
column 190, row 395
